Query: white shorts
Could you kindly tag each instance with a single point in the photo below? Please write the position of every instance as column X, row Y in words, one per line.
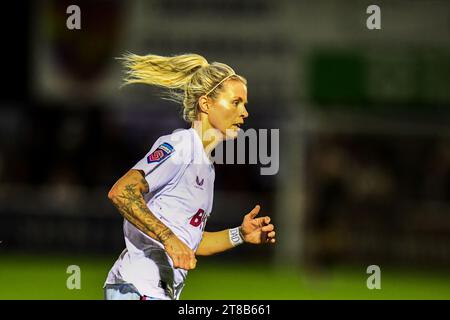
column 124, row 291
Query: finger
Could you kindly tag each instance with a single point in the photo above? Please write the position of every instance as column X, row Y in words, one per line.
column 271, row 234
column 185, row 260
column 193, row 263
column 183, row 263
column 268, row 228
column 189, row 262
column 176, row 262
column 270, row 240
column 262, row 221
column 187, row 266
column 254, row 212
column 191, row 258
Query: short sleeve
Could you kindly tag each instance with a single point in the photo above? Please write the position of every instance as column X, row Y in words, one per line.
column 162, row 163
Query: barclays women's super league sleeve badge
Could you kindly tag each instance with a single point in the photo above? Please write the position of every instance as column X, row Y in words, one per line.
column 161, row 153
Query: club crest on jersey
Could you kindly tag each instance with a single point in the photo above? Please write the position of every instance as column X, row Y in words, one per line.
column 161, row 153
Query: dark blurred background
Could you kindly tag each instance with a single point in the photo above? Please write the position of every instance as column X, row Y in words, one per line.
column 363, row 116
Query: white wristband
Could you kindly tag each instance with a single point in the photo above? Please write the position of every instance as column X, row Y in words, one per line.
column 235, row 236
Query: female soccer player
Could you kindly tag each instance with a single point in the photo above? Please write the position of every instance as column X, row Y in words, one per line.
column 167, row 196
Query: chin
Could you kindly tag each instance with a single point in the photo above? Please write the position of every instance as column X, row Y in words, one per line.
column 231, row 134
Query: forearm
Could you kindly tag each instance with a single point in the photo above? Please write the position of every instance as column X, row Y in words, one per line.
column 214, row 242
column 134, row 217
column 128, row 199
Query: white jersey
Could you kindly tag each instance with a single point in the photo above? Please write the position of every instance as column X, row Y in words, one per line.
column 181, row 184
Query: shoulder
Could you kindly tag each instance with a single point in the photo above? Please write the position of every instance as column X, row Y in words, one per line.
column 180, row 139
column 180, row 144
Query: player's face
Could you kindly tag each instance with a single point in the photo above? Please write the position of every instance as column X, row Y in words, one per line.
column 228, row 110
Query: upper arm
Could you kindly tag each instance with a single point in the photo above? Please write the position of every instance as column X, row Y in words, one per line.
column 157, row 168
column 134, row 178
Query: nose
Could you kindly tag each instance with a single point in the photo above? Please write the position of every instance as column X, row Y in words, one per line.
column 244, row 113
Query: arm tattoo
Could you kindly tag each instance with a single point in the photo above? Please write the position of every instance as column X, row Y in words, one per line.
column 132, row 206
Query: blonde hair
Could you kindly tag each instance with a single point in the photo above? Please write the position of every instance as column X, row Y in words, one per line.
column 185, row 77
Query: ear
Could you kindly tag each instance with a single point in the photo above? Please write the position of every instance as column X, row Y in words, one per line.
column 203, row 103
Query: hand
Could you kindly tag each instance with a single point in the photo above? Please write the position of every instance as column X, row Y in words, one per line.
column 257, row 230
column 182, row 256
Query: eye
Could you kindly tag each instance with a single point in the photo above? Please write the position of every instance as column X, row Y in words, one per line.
column 236, row 103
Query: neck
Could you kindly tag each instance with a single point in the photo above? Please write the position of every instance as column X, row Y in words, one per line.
column 210, row 136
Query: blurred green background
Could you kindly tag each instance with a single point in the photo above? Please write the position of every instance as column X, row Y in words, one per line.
column 44, row 277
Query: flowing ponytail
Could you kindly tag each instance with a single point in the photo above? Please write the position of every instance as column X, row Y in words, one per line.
column 185, row 77
column 169, row 72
